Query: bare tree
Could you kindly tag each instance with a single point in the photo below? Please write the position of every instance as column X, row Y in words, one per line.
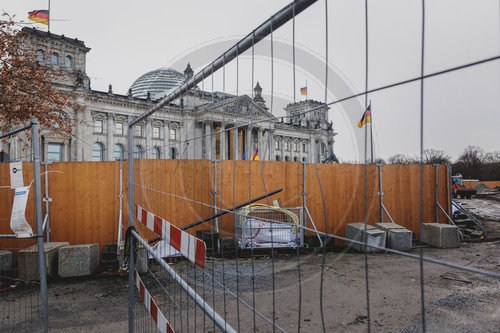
column 434, row 156
column 402, row 159
column 26, row 87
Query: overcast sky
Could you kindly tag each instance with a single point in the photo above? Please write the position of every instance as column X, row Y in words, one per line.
column 129, row 38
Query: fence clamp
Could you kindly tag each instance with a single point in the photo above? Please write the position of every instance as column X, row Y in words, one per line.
column 47, row 199
column 303, row 194
column 380, row 193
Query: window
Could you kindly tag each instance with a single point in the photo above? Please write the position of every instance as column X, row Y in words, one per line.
column 287, row 145
column 54, row 152
column 119, row 128
column 138, row 152
column 278, row 158
column 295, row 158
column 138, row 130
column 173, row 153
column 58, row 116
column 68, row 61
column 98, row 126
column 277, row 145
column 304, row 159
column 295, row 146
column 156, row 132
column 173, row 134
column 97, row 152
column 39, row 55
column 304, row 148
column 156, row 153
column 54, row 59
column 118, row 152
column 287, row 158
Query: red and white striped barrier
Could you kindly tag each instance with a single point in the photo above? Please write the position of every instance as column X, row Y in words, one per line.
column 160, row 320
column 192, row 248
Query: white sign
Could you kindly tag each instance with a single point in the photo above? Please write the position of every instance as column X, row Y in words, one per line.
column 18, row 222
column 16, row 175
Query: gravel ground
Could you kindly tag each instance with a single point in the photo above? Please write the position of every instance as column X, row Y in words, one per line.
column 455, row 300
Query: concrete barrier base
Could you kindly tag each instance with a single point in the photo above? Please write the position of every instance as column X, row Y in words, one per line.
column 440, row 235
column 397, row 237
column 78, row 260
column 373, row 236
column 28, row 260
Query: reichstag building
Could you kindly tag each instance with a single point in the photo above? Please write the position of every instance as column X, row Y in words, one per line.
column 199, row 125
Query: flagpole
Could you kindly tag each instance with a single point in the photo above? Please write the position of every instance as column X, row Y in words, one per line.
column 48, row 21
column 371, row 130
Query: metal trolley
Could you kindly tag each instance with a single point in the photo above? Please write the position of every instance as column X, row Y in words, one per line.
column 262, row 226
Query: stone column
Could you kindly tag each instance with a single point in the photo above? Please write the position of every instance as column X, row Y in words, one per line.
column 267, row 146
column 260, row 143
column 236, row 142
column 166, row 140
column 148, row 141
column 208, row 140
column 223, row 143
column 248, row 143
column 65, row 151
column 272, row 150
column 78, row 136
column 283, row 148
column 108, row 152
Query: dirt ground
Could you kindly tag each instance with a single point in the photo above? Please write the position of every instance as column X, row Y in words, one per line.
column 455, row 301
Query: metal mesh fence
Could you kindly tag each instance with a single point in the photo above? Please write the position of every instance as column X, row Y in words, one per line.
column 23, row 290
column 195, row 178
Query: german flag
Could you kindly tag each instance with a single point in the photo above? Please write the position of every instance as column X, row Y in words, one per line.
column 255, row 156
column 303, row 91
column 40, row 16
column 367, row 116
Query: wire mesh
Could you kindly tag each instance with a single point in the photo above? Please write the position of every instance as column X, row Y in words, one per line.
column 249, row 279
column 21, row 301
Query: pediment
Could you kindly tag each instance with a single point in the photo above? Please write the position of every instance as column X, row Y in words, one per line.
column 241, row 106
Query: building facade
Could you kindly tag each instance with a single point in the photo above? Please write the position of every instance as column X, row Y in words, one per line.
column 200, row 125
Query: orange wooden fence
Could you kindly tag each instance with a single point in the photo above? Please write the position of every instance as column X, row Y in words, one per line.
column 490, row 183
column 85, row 195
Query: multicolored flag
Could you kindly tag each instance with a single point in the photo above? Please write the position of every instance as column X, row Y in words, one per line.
column 40, row 16
column 367, row 117
column 303, row 91
column 255, row 156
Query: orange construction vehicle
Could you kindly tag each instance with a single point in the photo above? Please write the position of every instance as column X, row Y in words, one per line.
column 458, row 188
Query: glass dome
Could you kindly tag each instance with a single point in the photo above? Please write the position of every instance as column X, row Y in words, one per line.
column 157, row 83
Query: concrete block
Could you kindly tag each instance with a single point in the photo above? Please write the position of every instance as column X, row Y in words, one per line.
column 141, row 258
column 388, row 226
column 397, row 236
column 399, row 239
column 28, row 260
column 5, row 260
column 78, row 260
column 441, row 235
column 373, row 236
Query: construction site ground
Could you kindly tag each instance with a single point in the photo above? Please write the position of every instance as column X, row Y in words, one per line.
column 455, row 301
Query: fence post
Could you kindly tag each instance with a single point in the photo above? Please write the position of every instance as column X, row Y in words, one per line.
column 381, row 192
column 436, row 167
column 131, row 264
column 35, row 143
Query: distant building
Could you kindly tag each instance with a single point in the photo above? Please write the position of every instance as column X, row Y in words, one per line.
column 182, row 129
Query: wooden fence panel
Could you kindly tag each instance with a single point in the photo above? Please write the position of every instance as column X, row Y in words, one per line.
column 85, row 206
column 6, row 200
column 490, row 183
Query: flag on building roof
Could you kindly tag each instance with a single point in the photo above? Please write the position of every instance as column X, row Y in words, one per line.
column 303, row 91
column 255, row 156
column 367, row 117
column 40, row 16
